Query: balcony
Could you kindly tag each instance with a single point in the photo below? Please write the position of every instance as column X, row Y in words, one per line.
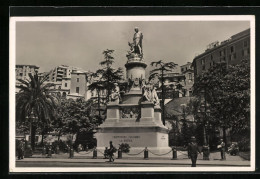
column 60, row 70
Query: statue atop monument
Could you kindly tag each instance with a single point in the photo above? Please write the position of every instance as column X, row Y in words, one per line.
column 136, row 48
column 138, row 37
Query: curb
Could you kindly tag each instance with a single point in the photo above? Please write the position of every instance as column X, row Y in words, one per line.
column 159, row 163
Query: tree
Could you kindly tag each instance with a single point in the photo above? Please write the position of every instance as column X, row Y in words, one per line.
column 78, row 116
column 108, row 76
column 160, row 70
column 98, row 86
column 35, row 103
column 227, row 95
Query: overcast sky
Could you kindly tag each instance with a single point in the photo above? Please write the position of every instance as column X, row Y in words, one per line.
column 80, row 44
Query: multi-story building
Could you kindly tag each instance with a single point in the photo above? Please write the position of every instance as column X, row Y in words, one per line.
column 188, row 72
column 78, row 84
column 60, row 72
column 22, row 72
column 230, row 51
column 178, row 82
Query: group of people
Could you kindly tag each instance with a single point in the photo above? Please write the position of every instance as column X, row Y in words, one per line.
column 193, row 150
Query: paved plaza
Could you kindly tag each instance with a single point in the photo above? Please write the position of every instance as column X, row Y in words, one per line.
column 84, row 159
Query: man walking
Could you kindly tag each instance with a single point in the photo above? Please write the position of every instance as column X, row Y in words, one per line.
column 222, row 149
column 111, row 152
column 193, row 151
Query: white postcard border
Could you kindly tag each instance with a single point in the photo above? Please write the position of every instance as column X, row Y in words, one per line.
column 12, row 53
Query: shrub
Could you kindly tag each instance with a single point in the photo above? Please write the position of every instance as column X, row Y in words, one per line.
column 125, row 148
column 62, row 145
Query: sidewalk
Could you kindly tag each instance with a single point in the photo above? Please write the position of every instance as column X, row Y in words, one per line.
column 182, row 159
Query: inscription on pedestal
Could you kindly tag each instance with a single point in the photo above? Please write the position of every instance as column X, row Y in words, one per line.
column 126, row 139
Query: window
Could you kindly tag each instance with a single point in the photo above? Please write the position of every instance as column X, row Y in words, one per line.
column 232, row 49
column 222, row 53
column 245, row 44
column 59, row 87
column 182, row 69
column 21, row 74
column 203, row 67
column 203, row 61
column 65, row 84
column 77, row 79
column 190, row 76
column 211, row 57
column 232, row 57
column 77, row 89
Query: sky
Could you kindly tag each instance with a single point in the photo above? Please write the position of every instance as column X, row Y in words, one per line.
column 80, row 44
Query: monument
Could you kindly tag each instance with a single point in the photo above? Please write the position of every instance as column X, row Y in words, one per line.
column 135, row 118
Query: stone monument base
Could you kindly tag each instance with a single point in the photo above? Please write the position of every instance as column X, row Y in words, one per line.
column 155, row 138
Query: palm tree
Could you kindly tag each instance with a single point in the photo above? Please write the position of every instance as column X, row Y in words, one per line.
column 35, row 103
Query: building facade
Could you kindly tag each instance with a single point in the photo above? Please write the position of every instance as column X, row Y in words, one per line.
column 78, row 84
column 178, row 82
column 230, row 51
column 188, row 72
column 22, row 72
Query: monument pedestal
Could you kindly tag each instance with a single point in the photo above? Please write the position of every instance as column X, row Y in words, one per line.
column 139, row 132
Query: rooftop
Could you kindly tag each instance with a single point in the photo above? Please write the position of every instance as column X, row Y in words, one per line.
column 31, row 66
column 215, row 45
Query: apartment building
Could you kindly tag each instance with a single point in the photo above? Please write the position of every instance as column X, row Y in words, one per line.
column 230, row 51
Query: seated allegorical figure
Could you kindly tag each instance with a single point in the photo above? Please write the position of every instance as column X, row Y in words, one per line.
column 115, row 93
column 155, row 98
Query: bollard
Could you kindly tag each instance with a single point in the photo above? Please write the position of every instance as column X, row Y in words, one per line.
column 57, row 150
column 49, row 153
column 95, row 153
column 145, row 153
column 174, row 153
column 44, row 151
column 71, row 152
column 206, row 152
column 119, row 153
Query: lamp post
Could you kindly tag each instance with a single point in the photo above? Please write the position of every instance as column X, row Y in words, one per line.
column 205, row 113
column 32, row 118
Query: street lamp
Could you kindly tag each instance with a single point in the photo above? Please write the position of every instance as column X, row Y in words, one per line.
column 32, row 119
column 205, row 124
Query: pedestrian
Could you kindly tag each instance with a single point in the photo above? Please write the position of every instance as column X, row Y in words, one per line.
column 222, row 149
column 193, row 151
column 111, row 152
column 20, row 150
column 106, row 153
